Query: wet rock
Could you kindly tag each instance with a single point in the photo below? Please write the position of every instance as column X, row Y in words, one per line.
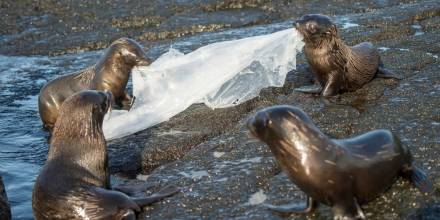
column 61, row 22
column 229, row 175
column 5, row 210
column 221, row 171
column 428, row 212
column 174, row 138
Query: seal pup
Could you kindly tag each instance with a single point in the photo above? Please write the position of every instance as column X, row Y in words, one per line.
column 341, row 173
column 74, row 183
column 336, row 66
column 110, row 73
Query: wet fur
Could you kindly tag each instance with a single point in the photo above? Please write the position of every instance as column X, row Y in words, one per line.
column 341, row 173
column 110, row 73
column 74, row 183
column 337, row 67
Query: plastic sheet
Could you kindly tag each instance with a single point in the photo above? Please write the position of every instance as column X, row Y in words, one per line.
column 220, row 75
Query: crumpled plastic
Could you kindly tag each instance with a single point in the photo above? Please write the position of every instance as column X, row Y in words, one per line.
column 220, row 75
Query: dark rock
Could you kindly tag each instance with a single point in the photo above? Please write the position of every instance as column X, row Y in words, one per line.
column 228, row 175
column 223, row 173
column 5, row 210
column 60, row 22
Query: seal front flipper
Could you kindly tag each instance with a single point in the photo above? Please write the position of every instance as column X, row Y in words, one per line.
column 309, row 206
column 127, row 102
column 419, row 178
column 314, row 89
column 166, row 192
column 333, row 84
column 132, row 189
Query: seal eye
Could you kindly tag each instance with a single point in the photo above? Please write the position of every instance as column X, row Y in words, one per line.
column 311, row 27
column 103, row 106
column 268, row 122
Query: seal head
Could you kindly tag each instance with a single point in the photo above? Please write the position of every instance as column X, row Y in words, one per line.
column 316, row 28
column 341, row 173
column 130, row 51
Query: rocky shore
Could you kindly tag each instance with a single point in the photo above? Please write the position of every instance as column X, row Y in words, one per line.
column 222, row 172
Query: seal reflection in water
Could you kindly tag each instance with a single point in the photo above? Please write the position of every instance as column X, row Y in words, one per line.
column 110, row 73
column 340, row 173
column 74, row 183
column 336, row 66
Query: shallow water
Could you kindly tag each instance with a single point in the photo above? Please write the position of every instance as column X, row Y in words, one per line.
column 24, row 145
column 22, row 140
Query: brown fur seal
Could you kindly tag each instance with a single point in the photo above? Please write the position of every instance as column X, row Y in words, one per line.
column 74, row 182
column 110, row 73
column 340, row 173
column 336, row 66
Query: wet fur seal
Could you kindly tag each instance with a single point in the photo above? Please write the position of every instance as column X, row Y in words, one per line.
column 74, row 183
column 341, row 173
column 337, row 67
column 110, row 73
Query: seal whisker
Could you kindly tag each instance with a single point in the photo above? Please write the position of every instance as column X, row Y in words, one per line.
column 330, row 162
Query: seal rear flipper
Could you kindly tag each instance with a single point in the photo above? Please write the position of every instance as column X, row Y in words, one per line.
column 382, row 72
column 348, row 210
column 420, row 180
column 100, row 203
column 166, row 192
column 314, row 89
column 309, row 206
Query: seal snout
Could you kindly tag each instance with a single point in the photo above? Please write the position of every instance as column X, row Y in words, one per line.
column 259, row 125
column 298, row 24
column 143, row 61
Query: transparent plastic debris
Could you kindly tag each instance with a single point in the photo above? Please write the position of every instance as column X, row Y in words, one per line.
column 219, row 75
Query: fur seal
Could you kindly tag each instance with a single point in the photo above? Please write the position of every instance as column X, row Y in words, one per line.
column 74, row 183
column 110, row 73
column 336, row 66
column 341, row 173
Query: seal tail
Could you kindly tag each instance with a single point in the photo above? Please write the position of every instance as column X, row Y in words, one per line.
column 419, row 178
